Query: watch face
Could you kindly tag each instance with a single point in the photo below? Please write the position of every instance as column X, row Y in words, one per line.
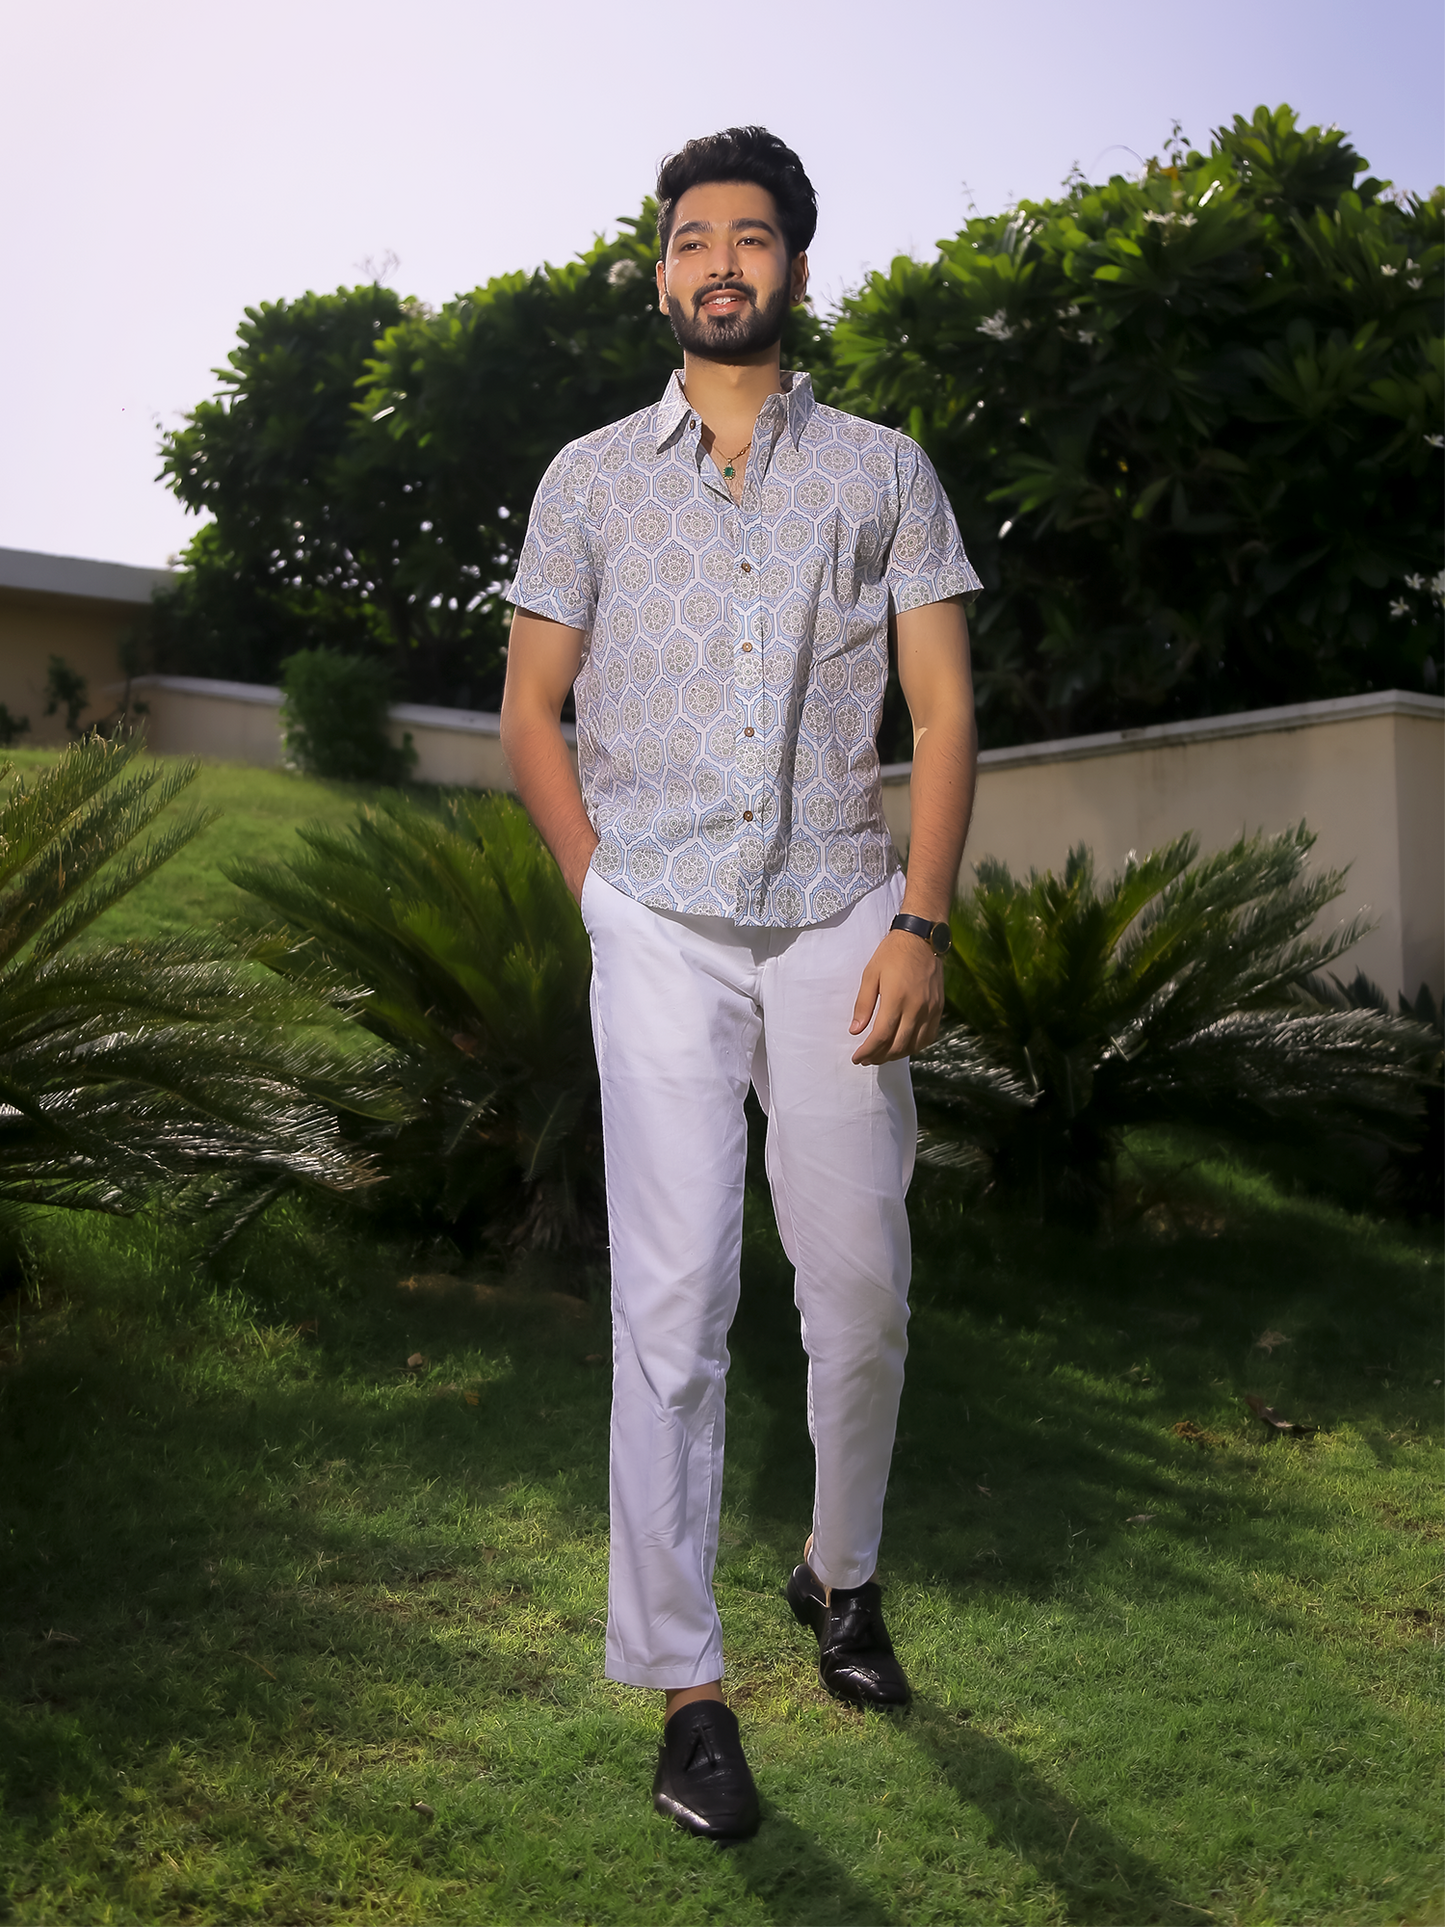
column 942, row 939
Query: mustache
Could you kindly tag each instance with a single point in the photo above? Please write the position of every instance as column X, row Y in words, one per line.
column 724, row 287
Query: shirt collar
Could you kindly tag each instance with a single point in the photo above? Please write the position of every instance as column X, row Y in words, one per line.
column 795, row 406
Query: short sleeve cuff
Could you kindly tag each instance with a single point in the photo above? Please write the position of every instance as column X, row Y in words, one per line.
column 539, row 597
column 935, row 585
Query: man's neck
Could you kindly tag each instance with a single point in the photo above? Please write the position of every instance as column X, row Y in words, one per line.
column 727, row 395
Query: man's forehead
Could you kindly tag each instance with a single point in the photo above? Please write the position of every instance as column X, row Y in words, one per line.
column 725, row 204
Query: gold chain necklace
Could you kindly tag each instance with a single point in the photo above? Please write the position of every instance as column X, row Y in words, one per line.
column 729, row 471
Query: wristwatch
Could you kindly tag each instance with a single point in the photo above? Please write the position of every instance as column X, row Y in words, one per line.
column 938, row 934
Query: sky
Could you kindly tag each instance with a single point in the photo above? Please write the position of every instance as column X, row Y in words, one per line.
column 168, row 163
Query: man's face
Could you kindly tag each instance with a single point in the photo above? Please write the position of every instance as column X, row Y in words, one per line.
column 725, row 283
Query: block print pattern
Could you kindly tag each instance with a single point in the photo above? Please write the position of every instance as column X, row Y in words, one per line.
column 736, row 657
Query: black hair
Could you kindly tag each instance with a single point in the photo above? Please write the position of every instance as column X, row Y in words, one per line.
column 741, row 154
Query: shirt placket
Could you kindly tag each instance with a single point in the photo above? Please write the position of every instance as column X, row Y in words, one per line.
column 754, row 800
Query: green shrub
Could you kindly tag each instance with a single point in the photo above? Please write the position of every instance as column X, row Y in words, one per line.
column 335, row 714
column 452, row 936
column 1413, row 1179
column 1178, row 992
column 67, row 689
column 132, row 1067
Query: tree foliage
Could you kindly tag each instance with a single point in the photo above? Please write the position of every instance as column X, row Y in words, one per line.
column 1177, row 992
column 1191, row 427
column 452, row 937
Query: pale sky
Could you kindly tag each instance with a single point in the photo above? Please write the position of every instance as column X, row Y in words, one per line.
column 167, row 163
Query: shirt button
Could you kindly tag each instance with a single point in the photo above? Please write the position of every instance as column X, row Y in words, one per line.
column 747, row 568
column 747, row 816
column 748, row 731
column 747, row 648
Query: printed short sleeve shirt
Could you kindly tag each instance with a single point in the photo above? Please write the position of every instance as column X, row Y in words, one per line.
column 737, row 653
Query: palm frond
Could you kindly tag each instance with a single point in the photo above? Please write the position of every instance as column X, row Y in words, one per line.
column 450, row 935
column 1178, row 990
column 136, row 1067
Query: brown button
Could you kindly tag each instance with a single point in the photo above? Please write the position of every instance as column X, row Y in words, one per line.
column 747, row 732
column 747, row 568
column 747, row 648
column 747, row 816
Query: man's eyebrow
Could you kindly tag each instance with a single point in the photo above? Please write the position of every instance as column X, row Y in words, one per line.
column 706, row 227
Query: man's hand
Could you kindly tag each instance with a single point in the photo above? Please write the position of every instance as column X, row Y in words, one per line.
column 902, row 992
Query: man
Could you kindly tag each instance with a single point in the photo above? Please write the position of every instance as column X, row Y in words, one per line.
column 717, row 577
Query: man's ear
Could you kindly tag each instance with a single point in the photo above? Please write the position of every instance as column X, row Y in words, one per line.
column 799, row 278
column 662, row 287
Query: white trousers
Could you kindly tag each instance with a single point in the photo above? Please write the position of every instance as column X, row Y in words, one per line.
column 686, row 1011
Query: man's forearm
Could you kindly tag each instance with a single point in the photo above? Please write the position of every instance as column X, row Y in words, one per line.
column 542, row 769
column 945, row 764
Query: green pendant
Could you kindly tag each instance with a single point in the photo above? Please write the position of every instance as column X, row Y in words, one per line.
column 729, row 471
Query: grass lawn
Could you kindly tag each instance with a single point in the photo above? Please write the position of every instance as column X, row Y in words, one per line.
column 260, row 810
column 294, row 1632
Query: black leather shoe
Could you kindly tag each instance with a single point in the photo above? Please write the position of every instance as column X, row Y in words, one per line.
column 702, row 1779
column 856, row 1661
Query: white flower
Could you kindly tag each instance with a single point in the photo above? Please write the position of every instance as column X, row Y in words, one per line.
column 1087, row 334
column 1386, row 269
column 623, row 271
column 1414, row 581
column 1067, row 314
column 1417, row 281
column 1437, row 587
column 1436, row 441
column 1170, row 219
column 1400, row 607
column 997, row 327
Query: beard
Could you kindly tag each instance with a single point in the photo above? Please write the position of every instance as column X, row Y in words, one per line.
column 732, row 337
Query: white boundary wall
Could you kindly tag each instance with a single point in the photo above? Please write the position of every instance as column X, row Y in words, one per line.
column 1366, row 773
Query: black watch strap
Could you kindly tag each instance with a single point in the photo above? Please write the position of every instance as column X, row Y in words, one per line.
column 937, row 934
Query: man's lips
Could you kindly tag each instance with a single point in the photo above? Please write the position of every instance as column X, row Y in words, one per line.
column 725, row 301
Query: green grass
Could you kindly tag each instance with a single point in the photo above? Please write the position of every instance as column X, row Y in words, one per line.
column 293, row 1633
column 265, row 1589
column 261, row 810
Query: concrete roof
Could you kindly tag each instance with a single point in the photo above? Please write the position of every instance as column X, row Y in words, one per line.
column 73, row 575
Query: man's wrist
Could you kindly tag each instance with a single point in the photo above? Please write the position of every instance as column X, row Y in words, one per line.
column 934, row 931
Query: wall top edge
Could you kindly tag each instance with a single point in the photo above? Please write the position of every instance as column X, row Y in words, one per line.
column 217, row 690
column 1249, row 722
column 75, row 575
column 1203, row 729
column 464, row 722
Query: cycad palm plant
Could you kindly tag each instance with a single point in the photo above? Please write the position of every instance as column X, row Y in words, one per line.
column 125, row 1067
column 1176, row 992
column 456, row 939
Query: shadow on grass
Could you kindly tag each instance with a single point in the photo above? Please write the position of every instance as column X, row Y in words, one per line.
column 1096, row 1875
column 800, row 1885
